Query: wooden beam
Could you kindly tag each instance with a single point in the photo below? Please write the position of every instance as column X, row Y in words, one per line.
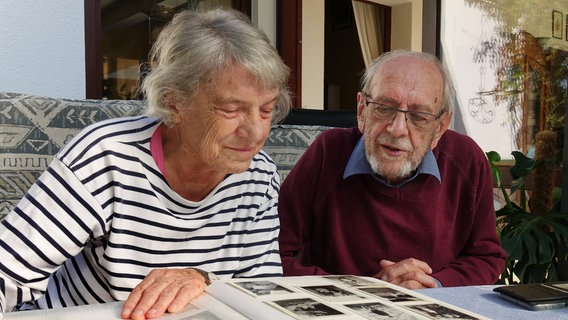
column 93, row 50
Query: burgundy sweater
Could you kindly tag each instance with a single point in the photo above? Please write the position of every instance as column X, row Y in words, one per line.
column 331, row 225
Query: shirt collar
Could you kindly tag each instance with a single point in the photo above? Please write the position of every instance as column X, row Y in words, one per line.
column 358, row 164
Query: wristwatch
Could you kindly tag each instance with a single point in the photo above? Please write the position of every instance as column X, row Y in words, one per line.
column 208, row 275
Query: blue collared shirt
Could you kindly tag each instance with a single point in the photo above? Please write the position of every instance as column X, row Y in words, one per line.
column 358, row 164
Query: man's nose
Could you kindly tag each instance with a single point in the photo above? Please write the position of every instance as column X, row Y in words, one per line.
column 398, row 125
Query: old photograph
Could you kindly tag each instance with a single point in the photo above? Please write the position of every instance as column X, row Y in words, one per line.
column 379, row 311
column 390, row 294
column 352, row 281
column 262, row 288
column 332, row 293
column 437, row 311
column 306, row 307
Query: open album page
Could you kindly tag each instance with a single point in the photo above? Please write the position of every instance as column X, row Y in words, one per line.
column 330, row 297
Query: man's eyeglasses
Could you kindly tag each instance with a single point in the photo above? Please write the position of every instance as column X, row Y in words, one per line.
column 418, row 120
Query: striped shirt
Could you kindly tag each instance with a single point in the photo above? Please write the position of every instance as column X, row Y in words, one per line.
column 102, row 216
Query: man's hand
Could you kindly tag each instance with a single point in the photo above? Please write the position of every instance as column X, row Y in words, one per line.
column 163, row 290
column 409, row 273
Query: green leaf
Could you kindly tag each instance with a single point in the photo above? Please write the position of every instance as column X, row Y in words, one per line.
column 533, row 242
column 493, row 156
column 523, row 165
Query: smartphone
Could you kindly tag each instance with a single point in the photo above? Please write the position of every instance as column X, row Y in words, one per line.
column 536, row 296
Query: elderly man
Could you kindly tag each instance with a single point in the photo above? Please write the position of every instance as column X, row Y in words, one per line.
column 401, row 197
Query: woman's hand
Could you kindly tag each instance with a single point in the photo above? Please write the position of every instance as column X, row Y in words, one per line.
column 163, row 290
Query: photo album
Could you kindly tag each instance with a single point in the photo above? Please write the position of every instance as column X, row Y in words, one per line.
column 316, row 297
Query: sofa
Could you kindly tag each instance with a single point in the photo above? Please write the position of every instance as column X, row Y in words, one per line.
column 34, row 128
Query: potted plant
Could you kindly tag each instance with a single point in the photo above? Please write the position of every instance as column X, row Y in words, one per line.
column 533, row 231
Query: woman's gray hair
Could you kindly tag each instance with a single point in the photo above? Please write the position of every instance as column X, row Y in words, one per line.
column 196, row 46
column 449, row 91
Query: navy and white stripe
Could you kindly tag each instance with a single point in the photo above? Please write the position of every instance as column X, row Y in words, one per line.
column 102, row 216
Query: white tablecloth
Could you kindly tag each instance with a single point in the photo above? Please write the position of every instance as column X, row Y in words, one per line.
column 482, row 300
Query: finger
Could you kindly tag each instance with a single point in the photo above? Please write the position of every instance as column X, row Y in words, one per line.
column 383, row 265
column 158, row 306
column 393, row 272
column 176, row 295
column 415, row 280
column 129, row 305
column 134, row 298
column 411, row 284
column 184, row 296
column 418, row 264
column 400, row 270
column 146, row 294
column 425, row 280
column 164, row 290
column 146, row 306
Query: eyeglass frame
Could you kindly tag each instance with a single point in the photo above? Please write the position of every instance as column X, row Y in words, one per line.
column 435, row 118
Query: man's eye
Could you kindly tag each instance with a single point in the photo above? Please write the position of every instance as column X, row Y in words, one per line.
column 384, row 110
column 416, row 117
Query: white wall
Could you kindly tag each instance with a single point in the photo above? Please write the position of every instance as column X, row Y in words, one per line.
column 464, row 27
column 42, row 47
column 406, row 25
column 313, row 44
column 264, row 16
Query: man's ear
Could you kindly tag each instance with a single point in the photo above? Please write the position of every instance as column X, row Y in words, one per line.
column 360, row 110
column 442, row 126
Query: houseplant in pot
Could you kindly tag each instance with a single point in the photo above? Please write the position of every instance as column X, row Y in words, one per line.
column 533, row 231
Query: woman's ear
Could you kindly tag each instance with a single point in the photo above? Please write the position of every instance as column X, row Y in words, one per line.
column 172, row 105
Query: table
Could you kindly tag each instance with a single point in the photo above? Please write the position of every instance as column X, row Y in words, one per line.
column 479, row 299
column 482, row 300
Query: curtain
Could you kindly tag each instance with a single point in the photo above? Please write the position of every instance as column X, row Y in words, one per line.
column 369, row 27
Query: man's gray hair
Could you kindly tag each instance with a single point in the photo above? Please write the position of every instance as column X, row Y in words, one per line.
column 449, row 91
column 196, row 46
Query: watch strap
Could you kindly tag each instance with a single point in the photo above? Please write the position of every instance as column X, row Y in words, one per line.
column 208, row 276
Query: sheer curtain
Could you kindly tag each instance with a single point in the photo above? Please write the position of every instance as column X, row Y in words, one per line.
column 369, row 27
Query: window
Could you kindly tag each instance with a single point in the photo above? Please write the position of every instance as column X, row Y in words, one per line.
column 509, row 64
column 119, row 35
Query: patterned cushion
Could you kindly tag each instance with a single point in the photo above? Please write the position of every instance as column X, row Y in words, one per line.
column 286, row 143
column 33, row 129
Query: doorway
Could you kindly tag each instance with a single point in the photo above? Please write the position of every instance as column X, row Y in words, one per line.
column 344, row 63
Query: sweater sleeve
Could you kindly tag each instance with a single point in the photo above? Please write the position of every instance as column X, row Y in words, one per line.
column 482, row 259
column 42, row 232
column 295, row 211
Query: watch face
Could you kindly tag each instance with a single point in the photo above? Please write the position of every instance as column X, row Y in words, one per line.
column 212, row 277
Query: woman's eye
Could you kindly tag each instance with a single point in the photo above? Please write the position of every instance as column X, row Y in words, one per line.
column 229, row 109
column 267, row 111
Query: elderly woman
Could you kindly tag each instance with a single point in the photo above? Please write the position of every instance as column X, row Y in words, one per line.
column 145, row 209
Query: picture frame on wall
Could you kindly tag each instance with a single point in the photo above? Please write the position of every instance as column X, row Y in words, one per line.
column 557, row 24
